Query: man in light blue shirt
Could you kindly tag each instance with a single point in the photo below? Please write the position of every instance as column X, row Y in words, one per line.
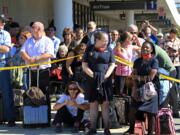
column 51, row 34
column 5, row 81
column 38, row 49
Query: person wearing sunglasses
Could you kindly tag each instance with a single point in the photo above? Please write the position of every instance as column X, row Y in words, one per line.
column 137, row 41
column 70, row 107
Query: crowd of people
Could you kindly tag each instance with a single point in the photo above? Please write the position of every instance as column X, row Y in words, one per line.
column 92, row 78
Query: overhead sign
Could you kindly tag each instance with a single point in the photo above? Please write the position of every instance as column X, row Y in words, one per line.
column 146, row 16
column 117, row 5
column 151, row 5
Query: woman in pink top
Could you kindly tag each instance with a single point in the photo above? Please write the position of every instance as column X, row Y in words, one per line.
column 123, row 49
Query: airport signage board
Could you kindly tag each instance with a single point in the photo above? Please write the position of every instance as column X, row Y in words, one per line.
column 146, row 16
column 151, row 5
column 117, row 5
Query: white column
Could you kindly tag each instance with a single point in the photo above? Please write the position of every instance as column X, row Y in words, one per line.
column 130, row 17
column 63, row 15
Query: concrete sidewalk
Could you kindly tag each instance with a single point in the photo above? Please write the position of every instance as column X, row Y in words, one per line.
column 19, row 130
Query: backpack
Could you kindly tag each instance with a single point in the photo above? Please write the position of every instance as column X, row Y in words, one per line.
column 164, row 122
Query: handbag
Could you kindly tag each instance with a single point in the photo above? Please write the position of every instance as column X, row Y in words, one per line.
column 129, row 82
column 147, row 91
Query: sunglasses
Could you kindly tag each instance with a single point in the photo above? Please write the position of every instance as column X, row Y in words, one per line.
column 72, row 88
column 133, row 32
column 89, row 28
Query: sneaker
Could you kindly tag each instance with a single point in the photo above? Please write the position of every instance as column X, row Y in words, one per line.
column 58, row 128
column 91, row 132
column 76, row 127
column 107, row 132
column 11, row 124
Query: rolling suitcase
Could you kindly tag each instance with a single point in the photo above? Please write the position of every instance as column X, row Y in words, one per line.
column 122, row 105
column 35, row 115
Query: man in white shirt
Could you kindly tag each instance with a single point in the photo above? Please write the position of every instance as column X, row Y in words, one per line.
column 38, row 49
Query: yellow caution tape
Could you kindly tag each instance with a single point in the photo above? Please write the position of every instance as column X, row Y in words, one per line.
column 38, row 64
column 169, row 78
column 127, row 63
column 124, row 61
column 118, row 59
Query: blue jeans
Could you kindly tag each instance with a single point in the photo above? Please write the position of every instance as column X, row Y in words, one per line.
column 7, row 93
column 165, row 86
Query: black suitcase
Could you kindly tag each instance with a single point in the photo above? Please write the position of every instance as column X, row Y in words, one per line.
column 18, row 103
column 122, row 105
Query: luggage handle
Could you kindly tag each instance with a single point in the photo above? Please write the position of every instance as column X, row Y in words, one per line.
column 37, row 77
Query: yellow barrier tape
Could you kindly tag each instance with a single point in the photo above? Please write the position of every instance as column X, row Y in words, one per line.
column 38, row 64
column 127, row 63
column 121, row 62
column 124, row 61
column 118, row 59
column 169, row 78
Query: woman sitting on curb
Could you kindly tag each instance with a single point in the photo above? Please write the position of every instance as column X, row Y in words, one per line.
column 70, row 107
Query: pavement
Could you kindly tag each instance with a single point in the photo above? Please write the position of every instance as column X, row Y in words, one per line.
column 19, row 130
